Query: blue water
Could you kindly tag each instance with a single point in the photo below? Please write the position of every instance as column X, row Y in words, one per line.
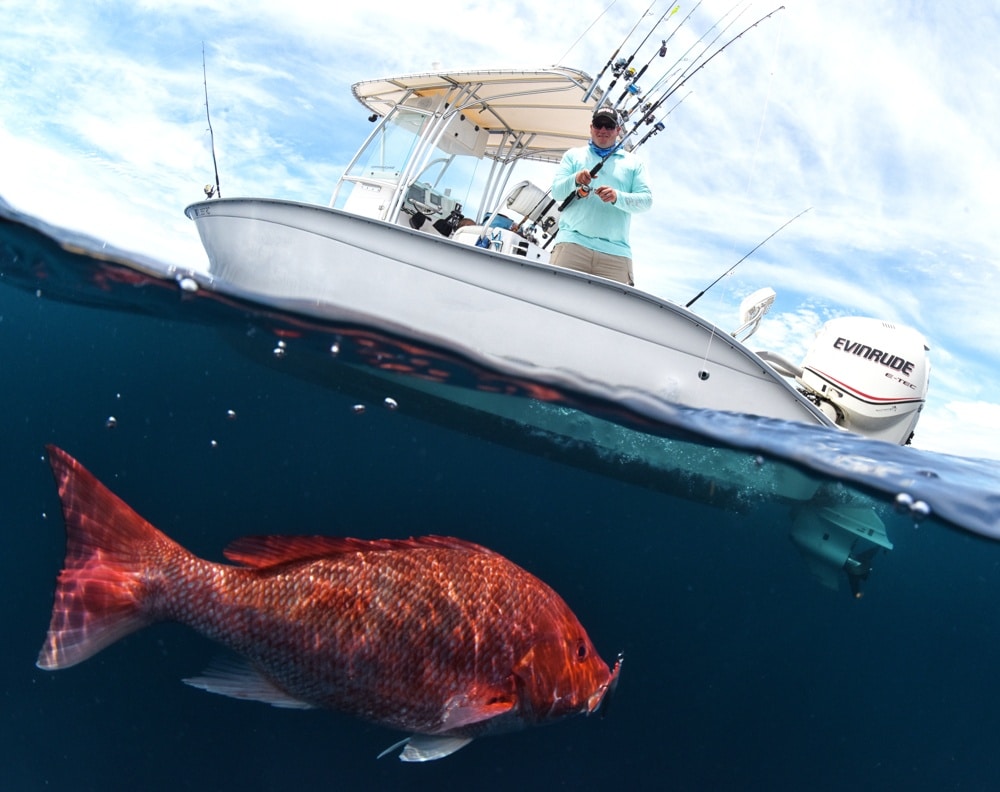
column 742, row 671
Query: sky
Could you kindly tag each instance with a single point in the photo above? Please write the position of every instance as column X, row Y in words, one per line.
column 880, row 119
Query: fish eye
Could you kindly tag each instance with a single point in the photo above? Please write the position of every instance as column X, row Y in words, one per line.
column 581, row 650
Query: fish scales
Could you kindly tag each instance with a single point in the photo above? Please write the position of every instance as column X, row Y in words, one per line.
column 369, row 633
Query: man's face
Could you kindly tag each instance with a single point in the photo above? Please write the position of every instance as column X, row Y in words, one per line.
column 601, row 134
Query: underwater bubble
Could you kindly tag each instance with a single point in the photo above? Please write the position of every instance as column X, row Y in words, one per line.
column 358, row 408
column 335, row 349
column 279, row 349
column 904, row 502
column 111, row 422
column 231, row 415
column 213, row 443
column 391, row 403
column 920, row 510
column 187, row 284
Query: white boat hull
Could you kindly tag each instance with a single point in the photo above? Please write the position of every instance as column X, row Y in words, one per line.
column 504, row 310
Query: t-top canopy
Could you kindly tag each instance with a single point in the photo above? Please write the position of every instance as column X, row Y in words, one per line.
column 543, row 110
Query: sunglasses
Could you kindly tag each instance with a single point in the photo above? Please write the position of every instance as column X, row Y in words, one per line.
column 605, row 125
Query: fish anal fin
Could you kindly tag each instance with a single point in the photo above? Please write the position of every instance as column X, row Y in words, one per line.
column 427, row 747
column 242, row 681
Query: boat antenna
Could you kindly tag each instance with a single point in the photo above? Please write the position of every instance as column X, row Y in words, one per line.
column 614, row 55
column 210, row 191
column 759, row 245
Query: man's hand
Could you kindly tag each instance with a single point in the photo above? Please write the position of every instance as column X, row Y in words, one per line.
column 606, row 194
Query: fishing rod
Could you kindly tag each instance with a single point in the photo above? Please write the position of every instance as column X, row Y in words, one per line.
column 673, row 70
column 633, row 86
column 699, row 63
column 209, row 190
column 774, row 233
column 611, row 60
column 623, row 67
column 648, row 112
column 659, row 126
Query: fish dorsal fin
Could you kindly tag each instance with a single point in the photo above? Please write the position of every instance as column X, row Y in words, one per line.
column 237, row 679
column 427, row 747
column 268, row 551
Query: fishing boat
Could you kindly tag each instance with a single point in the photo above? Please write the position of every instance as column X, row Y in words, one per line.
column 402, row 247
column 395, row 248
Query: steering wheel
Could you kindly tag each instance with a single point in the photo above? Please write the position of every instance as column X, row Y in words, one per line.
column 423, row 208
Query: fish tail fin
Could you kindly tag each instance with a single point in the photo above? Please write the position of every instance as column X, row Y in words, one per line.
column 102, row 590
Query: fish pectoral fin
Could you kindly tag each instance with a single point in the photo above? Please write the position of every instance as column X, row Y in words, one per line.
column 427, row 747
column 463, row 711
column 242, row 681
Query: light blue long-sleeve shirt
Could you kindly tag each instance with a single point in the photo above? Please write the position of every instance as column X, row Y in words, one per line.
column 591, row 222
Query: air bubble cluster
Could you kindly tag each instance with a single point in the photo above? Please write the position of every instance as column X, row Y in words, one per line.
column 907, row 504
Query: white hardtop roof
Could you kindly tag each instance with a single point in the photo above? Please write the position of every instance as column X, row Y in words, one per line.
column 546, row 105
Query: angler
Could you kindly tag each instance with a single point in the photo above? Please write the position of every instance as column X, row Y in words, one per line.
column 651, row 107
column 594, row 233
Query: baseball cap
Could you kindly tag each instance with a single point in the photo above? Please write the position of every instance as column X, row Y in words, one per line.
column 607, row 114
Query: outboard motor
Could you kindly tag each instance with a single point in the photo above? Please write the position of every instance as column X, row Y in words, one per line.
column 869, row 376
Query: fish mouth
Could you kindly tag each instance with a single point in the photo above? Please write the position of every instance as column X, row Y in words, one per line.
column 600, row 702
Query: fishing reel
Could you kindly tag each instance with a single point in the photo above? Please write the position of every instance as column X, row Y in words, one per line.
column 455, row 217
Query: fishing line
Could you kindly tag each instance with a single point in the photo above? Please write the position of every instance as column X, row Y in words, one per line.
column 704, row 373
column 753, row 169
column 573, row 45
column 767, row 104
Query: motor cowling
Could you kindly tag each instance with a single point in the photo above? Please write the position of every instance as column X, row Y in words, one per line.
column 871, row 376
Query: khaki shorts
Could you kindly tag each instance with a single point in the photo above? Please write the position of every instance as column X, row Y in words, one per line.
column 581, row 259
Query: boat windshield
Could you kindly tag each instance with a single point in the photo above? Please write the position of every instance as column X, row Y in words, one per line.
column 415, row 162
